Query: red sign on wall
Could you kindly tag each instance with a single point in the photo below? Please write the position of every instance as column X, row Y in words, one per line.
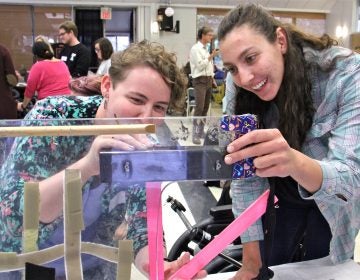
column 105, row 13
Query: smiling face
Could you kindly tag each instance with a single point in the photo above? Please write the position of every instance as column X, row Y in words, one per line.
column 256, row 64
column 142, row 94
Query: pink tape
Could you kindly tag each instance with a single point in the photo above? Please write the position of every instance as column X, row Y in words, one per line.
column 228, row 235
column 155, row 230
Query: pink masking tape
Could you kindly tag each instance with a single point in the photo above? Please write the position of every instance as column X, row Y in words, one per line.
column 155, row 230
column 228, row 235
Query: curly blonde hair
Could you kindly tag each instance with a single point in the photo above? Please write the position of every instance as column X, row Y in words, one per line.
column 155, row 56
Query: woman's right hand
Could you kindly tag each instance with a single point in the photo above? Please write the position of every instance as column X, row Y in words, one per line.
column 51, row 189
column 125, row 142
column 251, row 262
column 246, row 273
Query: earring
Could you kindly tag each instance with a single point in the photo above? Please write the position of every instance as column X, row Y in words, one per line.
column 105, row 104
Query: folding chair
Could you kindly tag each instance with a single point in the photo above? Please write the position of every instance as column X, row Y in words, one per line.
column 190, row 100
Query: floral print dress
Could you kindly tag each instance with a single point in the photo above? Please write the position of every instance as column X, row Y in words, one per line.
column 105, row 206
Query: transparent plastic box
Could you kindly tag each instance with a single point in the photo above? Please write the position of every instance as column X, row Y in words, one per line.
column 110, row 218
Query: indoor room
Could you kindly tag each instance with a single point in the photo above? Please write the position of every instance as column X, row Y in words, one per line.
column 176, row 139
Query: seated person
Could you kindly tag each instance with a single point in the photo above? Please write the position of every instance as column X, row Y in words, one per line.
column 44, row 159
column 49, row 76
column 103, row 50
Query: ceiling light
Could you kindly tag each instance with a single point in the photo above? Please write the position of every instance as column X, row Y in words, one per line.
column 169, row 12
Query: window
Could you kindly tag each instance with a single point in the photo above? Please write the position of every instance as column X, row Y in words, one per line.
column 119, row 42
column 21, row 24
column 119, row 30
column 313, row 23
column 16, row 33
column 309, row 22
column 358, row 13
column 48, row 19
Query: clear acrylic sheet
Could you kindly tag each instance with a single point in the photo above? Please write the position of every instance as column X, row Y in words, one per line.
column 110, row 200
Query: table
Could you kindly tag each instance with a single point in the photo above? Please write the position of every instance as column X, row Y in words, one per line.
column 320, row 269
column 20, row 88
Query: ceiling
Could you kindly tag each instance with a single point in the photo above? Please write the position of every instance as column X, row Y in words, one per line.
column 321, row 6
column 293, row 5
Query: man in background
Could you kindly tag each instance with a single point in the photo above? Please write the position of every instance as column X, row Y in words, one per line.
column 74, row 54
column 8, row 78
column 202, row 73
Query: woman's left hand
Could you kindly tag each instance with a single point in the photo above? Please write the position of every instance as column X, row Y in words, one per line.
column 142, row 263
column 19, row 107
column 171, row 267
column 272, row 154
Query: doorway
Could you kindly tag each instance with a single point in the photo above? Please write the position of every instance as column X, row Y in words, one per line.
column 119, row 29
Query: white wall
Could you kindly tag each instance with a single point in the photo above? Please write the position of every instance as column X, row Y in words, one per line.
column 180, row 43
column 343, row 13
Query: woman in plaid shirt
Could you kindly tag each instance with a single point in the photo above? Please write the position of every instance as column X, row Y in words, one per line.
column 305, row 90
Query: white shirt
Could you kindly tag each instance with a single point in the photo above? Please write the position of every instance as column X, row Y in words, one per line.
column 104, row 67
column 199, row 61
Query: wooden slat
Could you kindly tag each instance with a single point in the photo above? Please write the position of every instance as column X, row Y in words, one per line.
column 125, row 259
column 31, row 216
column 73, row 224
column 79, row 130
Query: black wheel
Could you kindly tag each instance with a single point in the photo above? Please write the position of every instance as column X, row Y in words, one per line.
column 219, row 265
column 210, row 225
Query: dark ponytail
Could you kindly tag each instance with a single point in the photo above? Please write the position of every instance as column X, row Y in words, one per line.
column 42, row 50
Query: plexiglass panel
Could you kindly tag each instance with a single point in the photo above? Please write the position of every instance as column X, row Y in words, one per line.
column 72, row 189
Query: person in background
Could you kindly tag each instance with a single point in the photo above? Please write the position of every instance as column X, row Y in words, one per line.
column 105, row 206
column 74, row 54
column 8, row 78
column 104, row 50
column 42, row 38
column 49, row 76
column 306, row 93
column 202, row 73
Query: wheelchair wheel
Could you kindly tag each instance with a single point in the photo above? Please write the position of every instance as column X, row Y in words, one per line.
column 211, row 225
column 219, row 265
